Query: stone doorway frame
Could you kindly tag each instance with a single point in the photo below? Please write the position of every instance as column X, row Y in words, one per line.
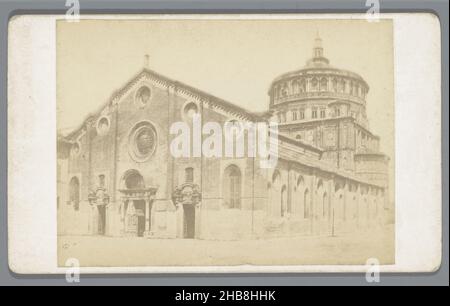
column 187, row 194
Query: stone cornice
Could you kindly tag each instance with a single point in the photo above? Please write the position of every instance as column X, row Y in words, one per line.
column 212, row 101
column 319, row 71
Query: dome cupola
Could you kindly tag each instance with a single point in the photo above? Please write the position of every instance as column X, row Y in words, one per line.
column 318, row 80
column 318, row 58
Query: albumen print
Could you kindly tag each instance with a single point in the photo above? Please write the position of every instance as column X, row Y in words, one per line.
column 224, row 142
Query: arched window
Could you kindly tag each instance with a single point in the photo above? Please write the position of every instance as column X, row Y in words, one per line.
column 306, row 204
column 297, row 204
column 295, row 87
column 232, row 186
column 323, row 84
column 189, row 175
column 342, row 86
column 302, row 114
column 322, row 113
column 134, row 180
column 314, row 84
column 325, row 208
column 318, row 205
column 335, row 84
column 101, row 181
column 74, row 192
column 190, row 110
column 356, row 208
column 103, row 126
column 143, row 95
column 280, row 91
column 284, row 204
column 343, row 208
column 337, row 111
column 284, row 91
column 276, row 178
column 302, row 85
column 319, row 184
column 75, row 149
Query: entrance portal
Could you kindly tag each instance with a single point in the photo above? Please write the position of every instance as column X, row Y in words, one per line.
column 137, row 202
column 101, row 219
column 139, row 206
column 189, row 221
column 187, row 199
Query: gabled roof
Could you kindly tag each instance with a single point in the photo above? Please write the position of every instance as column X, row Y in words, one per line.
column 202, row 95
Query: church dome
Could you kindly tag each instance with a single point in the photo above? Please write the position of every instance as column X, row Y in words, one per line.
column 318, row 80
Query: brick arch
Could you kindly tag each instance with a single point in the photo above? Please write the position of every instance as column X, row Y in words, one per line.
column 132, row 179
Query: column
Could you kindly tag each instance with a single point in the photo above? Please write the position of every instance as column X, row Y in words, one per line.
column 333, row 205
column 346, row 206
column 122, row 217
column 147, row 218
column 312, row 203
column 198, row 217
column 358, row 208
column 93, row 218
column 180, row 220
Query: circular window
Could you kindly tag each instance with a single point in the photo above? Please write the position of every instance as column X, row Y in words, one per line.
column 143, row 95
column 142, row 141
column 190, row 110
column 103, row 126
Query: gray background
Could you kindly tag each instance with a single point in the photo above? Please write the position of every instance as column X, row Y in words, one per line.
column 11, row 8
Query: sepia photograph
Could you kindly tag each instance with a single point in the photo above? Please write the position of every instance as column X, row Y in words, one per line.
column 225, row 142
column 221, row 151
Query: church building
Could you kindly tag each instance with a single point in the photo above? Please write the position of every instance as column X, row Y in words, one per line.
column 117, row 176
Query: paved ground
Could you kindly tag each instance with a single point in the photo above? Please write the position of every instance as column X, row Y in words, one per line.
column 350, row 249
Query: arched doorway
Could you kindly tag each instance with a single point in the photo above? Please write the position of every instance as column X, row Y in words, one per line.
column 189, row 221
column 187, row 200
column 74, row 193
column 101, row 219
column 136, row 210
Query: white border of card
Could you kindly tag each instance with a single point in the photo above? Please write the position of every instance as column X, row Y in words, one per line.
column 32, row 150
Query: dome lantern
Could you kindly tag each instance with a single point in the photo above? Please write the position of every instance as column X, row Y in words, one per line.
column 318, row 58
column 318, row 49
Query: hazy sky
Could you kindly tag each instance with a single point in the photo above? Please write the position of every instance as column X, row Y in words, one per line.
column 235, row 60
